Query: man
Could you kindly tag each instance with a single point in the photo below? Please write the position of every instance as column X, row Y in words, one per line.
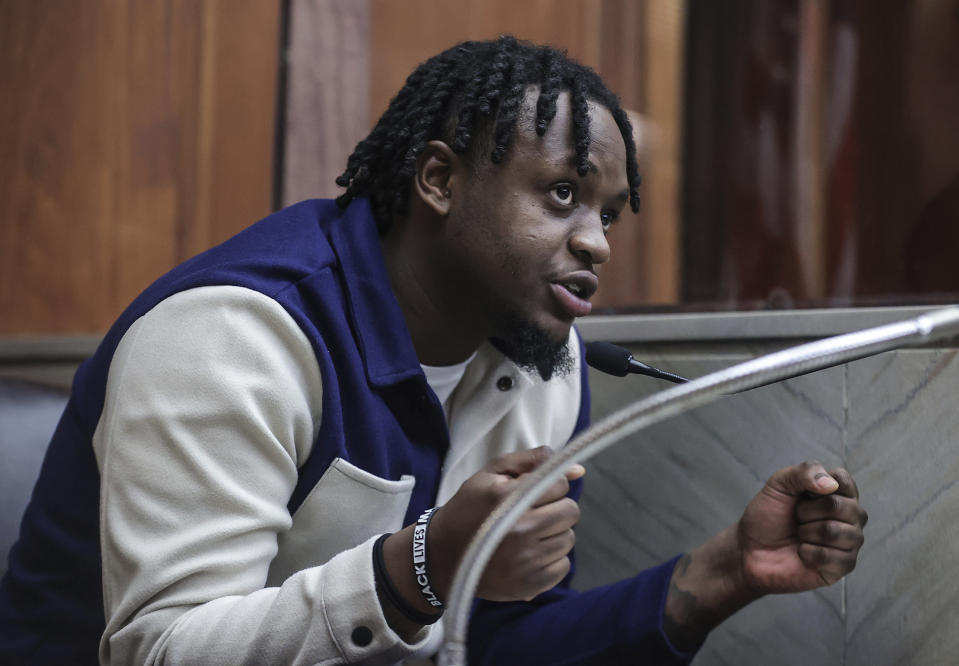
column 246, row 466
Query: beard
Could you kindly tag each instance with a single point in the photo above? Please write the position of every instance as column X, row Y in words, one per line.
column 531, row 348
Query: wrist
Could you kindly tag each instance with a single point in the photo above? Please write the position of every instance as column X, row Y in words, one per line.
column 421, row 560
column 398, row 565
column 443, row 558
column 724, row 562
column 707, row 586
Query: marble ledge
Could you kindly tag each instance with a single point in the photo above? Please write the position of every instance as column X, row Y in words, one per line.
column 726, row 326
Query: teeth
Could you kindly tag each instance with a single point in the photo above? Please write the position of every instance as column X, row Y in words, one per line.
column 575, row 289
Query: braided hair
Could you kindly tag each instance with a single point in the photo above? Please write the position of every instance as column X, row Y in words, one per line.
column 470, row 96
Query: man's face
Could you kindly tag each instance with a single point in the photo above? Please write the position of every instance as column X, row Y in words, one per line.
column 528, row 236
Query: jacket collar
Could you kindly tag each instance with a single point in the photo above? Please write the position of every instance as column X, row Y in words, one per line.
column 377, row 320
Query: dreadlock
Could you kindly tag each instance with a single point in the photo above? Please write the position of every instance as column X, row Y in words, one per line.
column 470, row 96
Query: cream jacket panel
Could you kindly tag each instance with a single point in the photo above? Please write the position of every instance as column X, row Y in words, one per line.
column 213, row 401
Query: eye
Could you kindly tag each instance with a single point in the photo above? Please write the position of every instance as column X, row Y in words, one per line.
column 564, row 194
column 608, row 218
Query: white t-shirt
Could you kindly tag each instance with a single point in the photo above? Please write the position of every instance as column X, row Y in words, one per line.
column 443, row 379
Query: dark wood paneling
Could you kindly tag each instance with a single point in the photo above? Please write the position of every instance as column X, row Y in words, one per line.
column 132, row 135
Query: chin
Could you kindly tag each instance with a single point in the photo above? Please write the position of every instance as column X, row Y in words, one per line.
column 536, row 347
column 557, row 329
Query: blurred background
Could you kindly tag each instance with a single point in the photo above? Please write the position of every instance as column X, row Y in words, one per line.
column 796, row 153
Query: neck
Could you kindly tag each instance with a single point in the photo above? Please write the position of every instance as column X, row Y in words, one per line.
column 440, row 336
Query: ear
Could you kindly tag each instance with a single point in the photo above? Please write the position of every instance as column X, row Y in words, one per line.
column 434, row 176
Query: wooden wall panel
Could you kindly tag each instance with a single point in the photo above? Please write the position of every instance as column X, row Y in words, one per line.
column 328, row 108
column 644, row 65
column 132, row 136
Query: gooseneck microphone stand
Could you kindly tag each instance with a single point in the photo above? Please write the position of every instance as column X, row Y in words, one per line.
column 763, row 370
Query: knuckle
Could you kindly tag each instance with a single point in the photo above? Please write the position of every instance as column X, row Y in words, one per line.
column 848, row 562
column 841, row 475
column 517, row 532
column 498, row 492
column 523, row 527
column 548, row 576
column 525, row 560
column 555, row 573
column 571, row 510
column 512, row 561
column 814, row 555
column 832, row 503
column 541, row 453
column 829, row 530
column 564, row 543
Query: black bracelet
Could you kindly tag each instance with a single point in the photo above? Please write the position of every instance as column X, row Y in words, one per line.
column 392, row 595
column 421, row 567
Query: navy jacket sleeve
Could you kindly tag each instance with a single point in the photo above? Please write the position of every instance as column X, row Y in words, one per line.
column 616, row 624
column 619, row 623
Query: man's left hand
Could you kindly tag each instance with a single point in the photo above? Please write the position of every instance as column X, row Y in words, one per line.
column 803, row 530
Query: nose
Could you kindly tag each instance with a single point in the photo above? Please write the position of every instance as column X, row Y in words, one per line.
column 588, row 241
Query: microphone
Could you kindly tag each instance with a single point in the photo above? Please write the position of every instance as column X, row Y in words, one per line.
column 613, row 360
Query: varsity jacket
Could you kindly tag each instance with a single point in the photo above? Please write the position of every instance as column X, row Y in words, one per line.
column 247, row 428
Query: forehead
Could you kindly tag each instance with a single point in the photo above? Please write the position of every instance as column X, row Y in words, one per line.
column 557, row 145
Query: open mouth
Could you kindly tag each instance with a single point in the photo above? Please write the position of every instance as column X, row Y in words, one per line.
column 577, row 290
column 574, row 291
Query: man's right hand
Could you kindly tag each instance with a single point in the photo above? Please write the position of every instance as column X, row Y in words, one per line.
column 532, row 557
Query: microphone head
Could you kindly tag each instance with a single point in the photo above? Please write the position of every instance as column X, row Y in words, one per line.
column 607, row 357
